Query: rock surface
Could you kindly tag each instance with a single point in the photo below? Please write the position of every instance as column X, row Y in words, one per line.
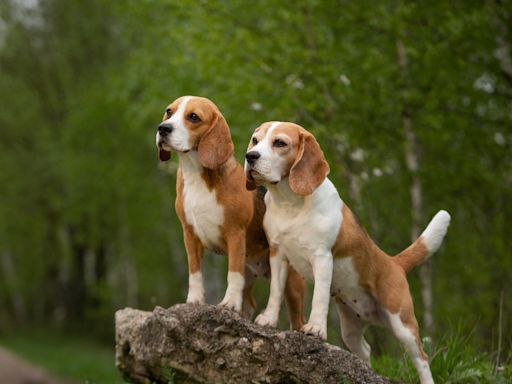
column 207, row 344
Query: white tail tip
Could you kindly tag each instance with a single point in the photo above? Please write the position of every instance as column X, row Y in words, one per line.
column 434, row 234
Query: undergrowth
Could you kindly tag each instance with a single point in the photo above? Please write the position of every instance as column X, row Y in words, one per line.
column 453, row 360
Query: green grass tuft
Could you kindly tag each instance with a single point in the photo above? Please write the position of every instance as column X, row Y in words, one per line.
column 169, row 374
column 454, row 361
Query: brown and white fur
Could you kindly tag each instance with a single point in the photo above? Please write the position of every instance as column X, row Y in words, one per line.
column 216, row 211
column 310, row 228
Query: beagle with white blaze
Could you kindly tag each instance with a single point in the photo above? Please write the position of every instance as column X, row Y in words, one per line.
column 216, row 211
column 310, row 228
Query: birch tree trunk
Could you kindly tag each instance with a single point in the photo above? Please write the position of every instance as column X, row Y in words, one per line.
column 11, row 282
column 412, row 160
column 130, row 275
column 503, row 52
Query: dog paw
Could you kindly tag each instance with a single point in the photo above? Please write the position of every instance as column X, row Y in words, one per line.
column 264, row 320
column 195, row 299
column 314, row 330
column 234, row 305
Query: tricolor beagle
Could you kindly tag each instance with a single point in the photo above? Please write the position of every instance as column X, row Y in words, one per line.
column 309, row 227
column 216, row 211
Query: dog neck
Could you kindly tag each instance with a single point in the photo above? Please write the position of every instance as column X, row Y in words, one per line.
column 190, row 165
column 282, row 194
column 189, row 162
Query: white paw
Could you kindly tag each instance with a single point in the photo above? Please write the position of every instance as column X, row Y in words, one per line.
column 233, row 297
column 314, row 330
column 195, row 299
column 264, row 320
column 231, row 303
column 195, row 288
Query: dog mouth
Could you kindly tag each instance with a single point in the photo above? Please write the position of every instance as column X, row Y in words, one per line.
column 251, row 172
column 255, row 176
column 166, row 147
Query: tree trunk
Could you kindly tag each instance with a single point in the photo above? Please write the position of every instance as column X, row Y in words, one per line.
column 412, row 160
column 503, row 53
column 131, row 280
column 207, row 344
column 11, row 282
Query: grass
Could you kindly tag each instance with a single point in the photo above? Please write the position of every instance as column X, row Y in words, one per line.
column 455, row 360
column 82, row 360
column 75, row 359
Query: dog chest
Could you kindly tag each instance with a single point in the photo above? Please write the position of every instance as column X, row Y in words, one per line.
column 297, row 250
column 301, row 236
column 202, row 210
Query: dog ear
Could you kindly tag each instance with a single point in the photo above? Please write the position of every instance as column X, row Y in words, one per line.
column 163, row 155
column 215, row 146
column 309, row 168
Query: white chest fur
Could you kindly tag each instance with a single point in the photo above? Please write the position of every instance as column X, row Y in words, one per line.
column 202, row 211
column 303, row 228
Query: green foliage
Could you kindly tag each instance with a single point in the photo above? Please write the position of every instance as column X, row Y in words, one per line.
column 168, row 374
column 456, row 359
column 343, row 379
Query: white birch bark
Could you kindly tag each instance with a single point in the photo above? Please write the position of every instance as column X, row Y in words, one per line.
column 412, row 160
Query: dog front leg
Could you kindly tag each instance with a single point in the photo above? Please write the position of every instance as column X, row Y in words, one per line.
column 236, row 269
column 194, row 250
column 322, row 272
column 279, row 274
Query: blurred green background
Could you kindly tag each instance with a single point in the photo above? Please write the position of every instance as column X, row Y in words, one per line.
column 410, row 101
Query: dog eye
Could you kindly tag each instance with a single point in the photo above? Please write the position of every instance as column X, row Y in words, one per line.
column 279, row 143
column 193, row 118
column 168, row 112
column 254, row 141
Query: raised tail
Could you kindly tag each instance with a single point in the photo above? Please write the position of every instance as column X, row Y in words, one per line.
column 425, row 245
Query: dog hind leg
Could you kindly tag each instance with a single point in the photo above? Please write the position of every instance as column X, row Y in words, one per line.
column 405, row 328
column 294, row 296
column 248, row 303
column 352, row 332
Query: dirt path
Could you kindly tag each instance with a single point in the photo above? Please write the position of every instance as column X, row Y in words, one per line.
column 14, row 370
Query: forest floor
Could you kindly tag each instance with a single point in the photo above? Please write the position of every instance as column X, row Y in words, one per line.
column 15, row 370
column 67, row 359
column 75, row 358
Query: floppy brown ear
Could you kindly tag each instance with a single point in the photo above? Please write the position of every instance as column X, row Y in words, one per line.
column 216, row 146
column 163, row 155
column 310, row 168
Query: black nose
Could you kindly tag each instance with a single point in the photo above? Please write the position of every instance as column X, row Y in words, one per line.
column 165, row 129
column 252, row 156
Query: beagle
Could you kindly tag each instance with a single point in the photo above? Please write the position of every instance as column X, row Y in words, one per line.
column 310, row 228
column 216, row 211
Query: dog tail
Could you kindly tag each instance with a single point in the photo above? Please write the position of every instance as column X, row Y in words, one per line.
column 425, row 245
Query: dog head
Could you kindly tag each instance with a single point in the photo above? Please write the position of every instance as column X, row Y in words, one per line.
column 193, row 123
column 280, row 151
